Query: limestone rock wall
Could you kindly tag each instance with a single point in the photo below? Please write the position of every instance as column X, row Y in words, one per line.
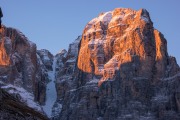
column 123, row 71
column 19, row 64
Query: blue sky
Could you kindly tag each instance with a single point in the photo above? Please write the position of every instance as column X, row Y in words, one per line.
column 53, row 24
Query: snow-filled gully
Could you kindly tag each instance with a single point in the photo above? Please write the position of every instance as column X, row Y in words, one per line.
column 51, row 94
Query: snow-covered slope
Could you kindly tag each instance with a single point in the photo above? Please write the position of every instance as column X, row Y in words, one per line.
column 21, row 94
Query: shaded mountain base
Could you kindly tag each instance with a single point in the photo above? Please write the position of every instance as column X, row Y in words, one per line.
column 11, row 109
column 118, row 99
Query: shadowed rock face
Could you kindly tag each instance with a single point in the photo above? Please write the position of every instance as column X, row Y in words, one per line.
column 123, row 72
column 12, row 109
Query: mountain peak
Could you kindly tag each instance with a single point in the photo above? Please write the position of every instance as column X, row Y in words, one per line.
column 114, row 38
column 123, row 71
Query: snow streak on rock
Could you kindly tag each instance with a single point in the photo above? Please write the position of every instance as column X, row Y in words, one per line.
column 50, row 91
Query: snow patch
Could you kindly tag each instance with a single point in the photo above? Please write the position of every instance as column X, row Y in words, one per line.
column 23, row 95
column 96, row 41
column 171, row 78
column 105, row 17
column 56, row 109
column 7, row 41
column 146, row 19
column 71, row 60
column 40, row 61
column 115, row 18
column 93, row 81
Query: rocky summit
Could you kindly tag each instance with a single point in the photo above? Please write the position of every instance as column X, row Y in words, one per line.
column 122, row 72
column 118, row 69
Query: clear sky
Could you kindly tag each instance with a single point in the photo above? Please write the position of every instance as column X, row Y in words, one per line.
column 53, row 24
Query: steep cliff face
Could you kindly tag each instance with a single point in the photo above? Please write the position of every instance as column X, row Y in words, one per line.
column 46, row 58
column 65, row 69
column 21, row 71
column 123, row 72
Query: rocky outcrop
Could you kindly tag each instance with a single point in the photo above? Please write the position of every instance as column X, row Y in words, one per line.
column 12, row 109
column 123, row 71
column 21, row 71
column 65, row 69
column 66, row 61
column 46, row 57
column 119, row 37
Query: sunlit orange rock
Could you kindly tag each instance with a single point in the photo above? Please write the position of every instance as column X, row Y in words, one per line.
column 118, row 37
column 4, row 56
